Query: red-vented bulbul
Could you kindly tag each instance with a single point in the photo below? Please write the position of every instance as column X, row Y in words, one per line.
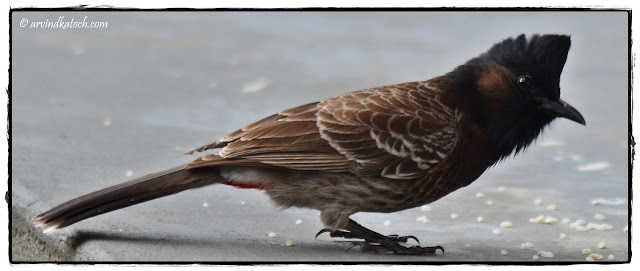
column 383, row 149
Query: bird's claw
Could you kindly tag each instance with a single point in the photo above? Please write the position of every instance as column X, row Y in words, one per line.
column 321, row 232
column 338, row 233
column 395, row 247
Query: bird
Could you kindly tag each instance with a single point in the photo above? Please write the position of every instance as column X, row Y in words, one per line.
column 382, row 149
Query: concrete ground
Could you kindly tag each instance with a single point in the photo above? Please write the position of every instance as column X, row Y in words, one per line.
column 95, row 107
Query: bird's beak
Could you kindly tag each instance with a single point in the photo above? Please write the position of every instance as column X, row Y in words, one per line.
column 561, row 109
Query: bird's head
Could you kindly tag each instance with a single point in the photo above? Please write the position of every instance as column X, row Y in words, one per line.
column 517, row 89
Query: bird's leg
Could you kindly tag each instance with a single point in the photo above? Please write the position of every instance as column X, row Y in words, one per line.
column 376, row 242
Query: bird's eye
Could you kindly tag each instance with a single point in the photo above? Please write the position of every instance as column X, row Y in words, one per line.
column 525, row 82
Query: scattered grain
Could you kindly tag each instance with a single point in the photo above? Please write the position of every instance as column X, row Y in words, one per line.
column 595, row 256
column 545, row 254
column 526, row 245
column 423, row 219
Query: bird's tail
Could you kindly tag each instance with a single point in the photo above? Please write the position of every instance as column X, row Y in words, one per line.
column 119, row 196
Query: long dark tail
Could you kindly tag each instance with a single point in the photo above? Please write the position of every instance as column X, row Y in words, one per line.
column 112, row 198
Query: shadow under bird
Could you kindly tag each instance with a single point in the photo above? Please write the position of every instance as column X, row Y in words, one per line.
column 383, row 149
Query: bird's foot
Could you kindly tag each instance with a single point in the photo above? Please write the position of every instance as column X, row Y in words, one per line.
column 395, row 247
column 391, row 243
column 350, row 235
column 376, row 242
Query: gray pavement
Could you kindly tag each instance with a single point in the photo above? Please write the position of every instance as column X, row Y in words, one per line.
column 91, row 105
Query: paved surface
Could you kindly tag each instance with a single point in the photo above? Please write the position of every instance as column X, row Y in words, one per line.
column 89, row 105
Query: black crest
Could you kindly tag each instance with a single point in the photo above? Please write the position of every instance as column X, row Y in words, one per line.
column 542, row 55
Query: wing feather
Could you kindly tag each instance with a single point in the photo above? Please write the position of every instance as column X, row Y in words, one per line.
column 397, row 132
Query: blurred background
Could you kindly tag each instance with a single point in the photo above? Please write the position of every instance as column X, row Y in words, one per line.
column 93, row 107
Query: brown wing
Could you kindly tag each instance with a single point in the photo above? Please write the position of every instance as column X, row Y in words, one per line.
column 398, row 132
column 403, row 130
column 288, row 139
